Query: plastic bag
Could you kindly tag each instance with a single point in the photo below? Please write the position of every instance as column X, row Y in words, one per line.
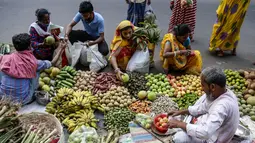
column 76, row 52
column 144, row 120
column 98, row 61
column 149, row 15
column 84, row 135
column 88, row 56
column 140, row 61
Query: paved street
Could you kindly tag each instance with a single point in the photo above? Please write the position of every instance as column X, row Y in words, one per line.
column 17, row 15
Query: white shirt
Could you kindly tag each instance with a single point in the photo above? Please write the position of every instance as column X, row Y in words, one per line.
column 137, row 1
column 219, row 121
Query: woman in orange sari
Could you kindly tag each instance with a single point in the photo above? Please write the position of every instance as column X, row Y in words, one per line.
column 176, row 52
column 121, row 47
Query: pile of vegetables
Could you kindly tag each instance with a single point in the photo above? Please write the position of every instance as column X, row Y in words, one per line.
column 136, row 83
column 74, row 108
column 159, row 83
column 84, row 80
column 65, row 78
column 84, row 135
column 117, row 96
column 104, row 82
column 163, row 104
column 10, row 128
column 186, row 101
column 186, row 84
column 118, row 119
column 140, row 107
column 111, row 137
column 235, row 80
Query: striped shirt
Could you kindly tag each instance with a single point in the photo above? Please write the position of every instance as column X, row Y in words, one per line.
column 20, row 89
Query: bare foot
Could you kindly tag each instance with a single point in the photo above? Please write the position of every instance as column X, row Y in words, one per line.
column 234, row 52
column 220, row 53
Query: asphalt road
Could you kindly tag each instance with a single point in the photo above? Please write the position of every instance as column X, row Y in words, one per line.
column 17, row 15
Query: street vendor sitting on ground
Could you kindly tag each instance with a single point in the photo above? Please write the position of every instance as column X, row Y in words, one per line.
column 222, row 111
column 93, row 24
column 39, row 31
column 122, row 47
column 20, row 70
column 176, row 52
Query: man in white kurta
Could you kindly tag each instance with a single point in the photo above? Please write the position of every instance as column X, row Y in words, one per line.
column 218, row 112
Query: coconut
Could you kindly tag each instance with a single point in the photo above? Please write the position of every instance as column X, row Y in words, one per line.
column 49, row 40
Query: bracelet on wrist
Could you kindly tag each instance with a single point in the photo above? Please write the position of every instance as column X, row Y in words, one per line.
column 117, row 70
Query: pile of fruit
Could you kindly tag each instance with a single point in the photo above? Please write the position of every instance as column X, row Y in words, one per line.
column 74, row 108
column 65, row 78
column 186, row 84
column 235, row 80
column 186, row 101
column 117, row 96
column 118, row 119
column 159, row 83
column 137, row 82
column 84, row 80
column 47, row 80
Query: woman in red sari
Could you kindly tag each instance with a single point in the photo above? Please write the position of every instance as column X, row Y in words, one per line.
column 183, row 15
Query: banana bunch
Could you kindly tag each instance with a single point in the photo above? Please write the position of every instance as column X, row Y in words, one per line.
column 83, row 117
column 74, row 108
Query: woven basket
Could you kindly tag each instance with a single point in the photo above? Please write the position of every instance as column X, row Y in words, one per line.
column 49, row 122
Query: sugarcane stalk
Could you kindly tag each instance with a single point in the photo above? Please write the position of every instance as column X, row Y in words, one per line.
column 28, row 132
column 3, row 110
column 44, row 139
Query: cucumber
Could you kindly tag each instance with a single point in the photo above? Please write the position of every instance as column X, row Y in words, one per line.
column 67, row 83
column 63, row 72
column 60, row 77
column 73, row 72
column 66, row 75
column 70, row 80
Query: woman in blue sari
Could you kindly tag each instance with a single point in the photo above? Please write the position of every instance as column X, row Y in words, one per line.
column 136, row 10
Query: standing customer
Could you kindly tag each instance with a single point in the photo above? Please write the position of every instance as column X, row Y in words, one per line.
column 93, row 32
column 136, row 11
column 220, row 109
column 226, row 31
column 183, row 15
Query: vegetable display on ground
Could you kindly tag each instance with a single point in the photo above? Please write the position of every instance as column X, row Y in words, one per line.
column 137, row 82
column 74, row 109
column 118, row 119
column 115, row 97
column 163, row 104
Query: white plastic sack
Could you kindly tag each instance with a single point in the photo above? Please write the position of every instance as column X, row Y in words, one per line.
column 140, row 61
column 97, row 61
column 88, row 56
column 84, row 135
column 76, row 52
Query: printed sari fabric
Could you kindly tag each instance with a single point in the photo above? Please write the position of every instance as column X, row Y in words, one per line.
column 126, row 46
column 190, row 64
column 226, row 31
